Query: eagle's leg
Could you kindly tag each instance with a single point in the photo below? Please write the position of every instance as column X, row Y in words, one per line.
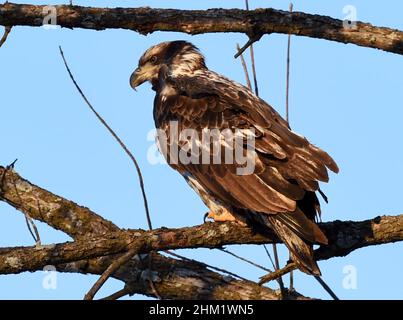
column 221, row 215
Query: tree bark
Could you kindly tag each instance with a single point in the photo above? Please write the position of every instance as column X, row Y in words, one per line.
column 253, row 23
column 97, row 242
column 344, row 237
column 173, row 279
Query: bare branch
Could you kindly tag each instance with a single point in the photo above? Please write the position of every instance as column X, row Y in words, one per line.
column 344, row 237
column 278, row 273
column 287, row 83
column 7, row 30
column 259, row 21
column 47, row 207
column 249, row 43
column 96, row 252
column 117, row 295
column 245, row 68
column 116, row 137
column 178, row 279
column 109, row 272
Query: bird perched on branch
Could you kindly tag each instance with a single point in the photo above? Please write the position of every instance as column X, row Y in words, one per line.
column 191, row 102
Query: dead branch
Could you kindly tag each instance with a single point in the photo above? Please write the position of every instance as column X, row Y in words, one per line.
column 47, row 207
column 103, row 241
column 252, row 23
column 245, row 68
column 344, row 237
column 7, row 30
column 123, row 259
column 176, row 279
column 278, row 273
column 115, row 136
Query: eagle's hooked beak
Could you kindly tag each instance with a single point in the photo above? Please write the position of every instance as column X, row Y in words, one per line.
column 137, row 78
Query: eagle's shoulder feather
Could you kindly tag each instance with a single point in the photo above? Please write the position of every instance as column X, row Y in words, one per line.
column 287, row 165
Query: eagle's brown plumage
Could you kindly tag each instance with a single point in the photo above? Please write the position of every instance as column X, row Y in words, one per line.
column 280, row 193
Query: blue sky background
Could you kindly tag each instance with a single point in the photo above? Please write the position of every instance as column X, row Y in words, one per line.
column 346, row 99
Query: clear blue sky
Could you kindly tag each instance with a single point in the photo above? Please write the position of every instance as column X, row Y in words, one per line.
column 346, row 99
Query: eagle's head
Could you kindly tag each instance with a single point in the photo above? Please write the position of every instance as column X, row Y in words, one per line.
column 178, row 56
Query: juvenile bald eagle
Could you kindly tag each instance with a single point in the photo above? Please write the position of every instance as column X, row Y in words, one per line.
column 280, row 192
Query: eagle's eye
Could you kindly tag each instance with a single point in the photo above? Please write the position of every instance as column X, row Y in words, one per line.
column 153, row 59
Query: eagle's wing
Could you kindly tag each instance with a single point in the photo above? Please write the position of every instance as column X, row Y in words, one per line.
column 287, row 170
column 287, row 164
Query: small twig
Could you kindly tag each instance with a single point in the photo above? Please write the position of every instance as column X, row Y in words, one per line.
column 251, row 40
column 287, row 87
column 33, row 230
column 117, row 295
column 279, row 280
column 326, row 287
column 246, row 260
column 291, row 287
column 245, row 69
column 3, row 39
column 252, row 57
column 269, row 255
column 277, row 263
column 109, row 271
column 287, row 113
column 3, row 176
column 128, row 152
column 30, row 225
column 278, row 273
column 206, row 265
column 323, row 195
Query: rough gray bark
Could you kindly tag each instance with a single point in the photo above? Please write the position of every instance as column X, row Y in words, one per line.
column 173, row 279
column 344, row 236
column 98, row 241
column 253, row 23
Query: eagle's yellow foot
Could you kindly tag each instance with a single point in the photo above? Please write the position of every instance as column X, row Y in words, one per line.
column 222, row 216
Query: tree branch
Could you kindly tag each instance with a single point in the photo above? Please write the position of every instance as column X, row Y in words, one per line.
column 93, row 251
column 178, row 279
column 252, row 23
column 344, row 237
column 47, row 207
column 7, row 30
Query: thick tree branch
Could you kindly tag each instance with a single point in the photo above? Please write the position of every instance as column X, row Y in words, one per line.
column 100, row 237
column 177, row 279
column 347, row 236
column 344, row 237
column 174, row 279
column 98, row 242
column 252, row 23
column 47, row 207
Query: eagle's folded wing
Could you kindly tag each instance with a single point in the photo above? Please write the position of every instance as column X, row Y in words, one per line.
column 287, row 165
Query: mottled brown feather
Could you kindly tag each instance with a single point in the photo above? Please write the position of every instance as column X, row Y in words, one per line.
column 288, row 166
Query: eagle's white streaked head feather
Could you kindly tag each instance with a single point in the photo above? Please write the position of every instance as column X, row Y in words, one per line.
column 178, row 56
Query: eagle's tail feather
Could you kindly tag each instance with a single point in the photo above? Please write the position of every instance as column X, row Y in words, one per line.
column 297, row 238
